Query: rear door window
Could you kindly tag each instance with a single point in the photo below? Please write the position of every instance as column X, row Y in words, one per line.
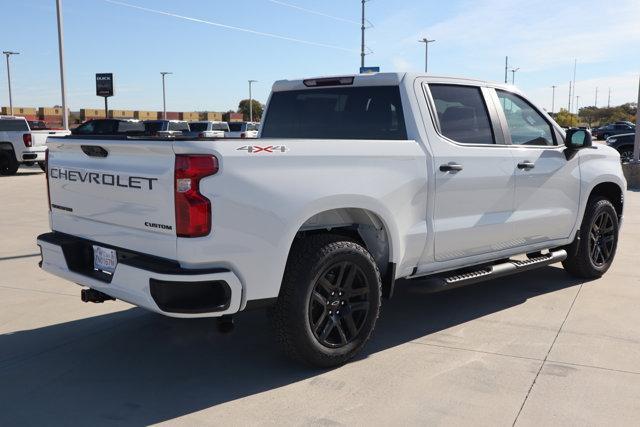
column 235, row 127
column 462, row 113
column 373, row 112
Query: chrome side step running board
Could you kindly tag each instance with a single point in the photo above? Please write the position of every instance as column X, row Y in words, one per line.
column 457, row 278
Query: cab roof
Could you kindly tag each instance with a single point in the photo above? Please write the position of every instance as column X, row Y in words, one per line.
column 378, row 79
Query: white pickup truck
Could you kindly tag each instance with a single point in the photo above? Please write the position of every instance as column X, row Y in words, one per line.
column 356, row 182
column 21, row 145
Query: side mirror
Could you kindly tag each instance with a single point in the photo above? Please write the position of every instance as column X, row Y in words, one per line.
column 577, row 139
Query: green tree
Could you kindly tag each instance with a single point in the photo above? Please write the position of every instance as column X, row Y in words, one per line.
column 258, row 109
column 566, row 119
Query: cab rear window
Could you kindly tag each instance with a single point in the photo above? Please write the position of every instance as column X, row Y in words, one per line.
column 8, row 125
column 373, row 112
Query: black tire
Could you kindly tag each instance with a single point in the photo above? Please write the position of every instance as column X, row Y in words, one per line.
column 42, row 166
column 626, row 154
column 8, row 163
column 307, row 318
column 590, row 256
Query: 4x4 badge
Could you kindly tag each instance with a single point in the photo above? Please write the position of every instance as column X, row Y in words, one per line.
column 255, row 149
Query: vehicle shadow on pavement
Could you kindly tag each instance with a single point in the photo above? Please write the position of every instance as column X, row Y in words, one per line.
column 133, row 367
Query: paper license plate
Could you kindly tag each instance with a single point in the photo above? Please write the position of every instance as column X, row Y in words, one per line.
column 104, row 259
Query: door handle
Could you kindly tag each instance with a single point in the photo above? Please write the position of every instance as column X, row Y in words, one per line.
column 526, row 165
column 450, row 167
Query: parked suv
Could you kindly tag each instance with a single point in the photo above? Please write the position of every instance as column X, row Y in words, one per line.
column 243, row 130
column 605, row 132
column 624, row 144
column 165, row 127
column 110, row 127
column 357, row 181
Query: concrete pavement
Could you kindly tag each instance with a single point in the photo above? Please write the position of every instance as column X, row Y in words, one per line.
column 535, row 349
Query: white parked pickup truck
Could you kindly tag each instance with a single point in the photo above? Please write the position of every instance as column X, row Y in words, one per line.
column 207, row 129
column 243, row 130
column 21, row 145
column 355, row 182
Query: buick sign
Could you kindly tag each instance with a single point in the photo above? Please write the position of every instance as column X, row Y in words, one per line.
column 104, row 84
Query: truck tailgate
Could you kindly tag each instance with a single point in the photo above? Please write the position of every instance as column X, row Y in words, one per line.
column 117, row 192
column 39, row 137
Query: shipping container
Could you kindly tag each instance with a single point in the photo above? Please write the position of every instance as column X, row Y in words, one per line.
column 90, row 113
column 233, row 117
column 171, row 115
column 121, row 114
column 213, row 116
column 190, row 116
column 145, row 115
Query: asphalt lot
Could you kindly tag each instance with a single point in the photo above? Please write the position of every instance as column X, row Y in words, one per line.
column 535, row 349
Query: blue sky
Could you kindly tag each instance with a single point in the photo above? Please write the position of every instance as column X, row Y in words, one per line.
column 213, row 63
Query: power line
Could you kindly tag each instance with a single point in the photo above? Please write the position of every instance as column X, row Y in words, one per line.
column 315, row 12
column 230, row 27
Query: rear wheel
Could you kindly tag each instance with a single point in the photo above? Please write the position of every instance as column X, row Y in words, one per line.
column 592, row 254
column 8, row 163
column 329, row 301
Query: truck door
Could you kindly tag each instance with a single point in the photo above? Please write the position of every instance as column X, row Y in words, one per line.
column 474, row 173
column 547, row 182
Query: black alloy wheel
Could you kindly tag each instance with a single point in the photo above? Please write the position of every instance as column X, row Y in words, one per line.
column 339, row 304
column 602, row 239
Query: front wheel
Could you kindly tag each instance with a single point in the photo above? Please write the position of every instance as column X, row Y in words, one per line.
column 329, row 301
column 626, row 154
column 592, row 254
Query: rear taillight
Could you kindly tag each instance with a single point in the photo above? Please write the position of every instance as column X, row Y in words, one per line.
column 46, row 173
column 193, row 210
column 26, row 138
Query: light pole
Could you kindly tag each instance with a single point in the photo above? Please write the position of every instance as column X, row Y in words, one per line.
column 251, row 100
column 426, row 42
column 164, row 97
column 553, row 98
column 513, row 75
column 8, row 53
column 506, row 69
column 65, row 117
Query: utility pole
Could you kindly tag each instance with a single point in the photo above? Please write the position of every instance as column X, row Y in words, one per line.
column 575, row 65
column 513, row 75
column 569, row 106
column 426, row 42
column 578, row 104
column 8, row 53
column 65, row 116
column 553, row 98
column 251, row 100
column 596, row 103
column 164, row 98
column 506, row 69
column 636, row 144
column 362, row 28
column 609, row 99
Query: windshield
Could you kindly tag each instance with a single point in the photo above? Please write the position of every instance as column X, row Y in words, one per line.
column 221, row 126
column 252, row 126
column 198, row 126
column 153, row 127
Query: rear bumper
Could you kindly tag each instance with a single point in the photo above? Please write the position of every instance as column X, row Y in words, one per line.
column 156, row 284
column 33, row 154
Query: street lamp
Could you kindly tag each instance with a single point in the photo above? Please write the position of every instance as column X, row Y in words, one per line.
column 65, row 116
column 513, row 75
column 164, row 98
column 251, row 100
column 8, row 53
column 426, row 42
